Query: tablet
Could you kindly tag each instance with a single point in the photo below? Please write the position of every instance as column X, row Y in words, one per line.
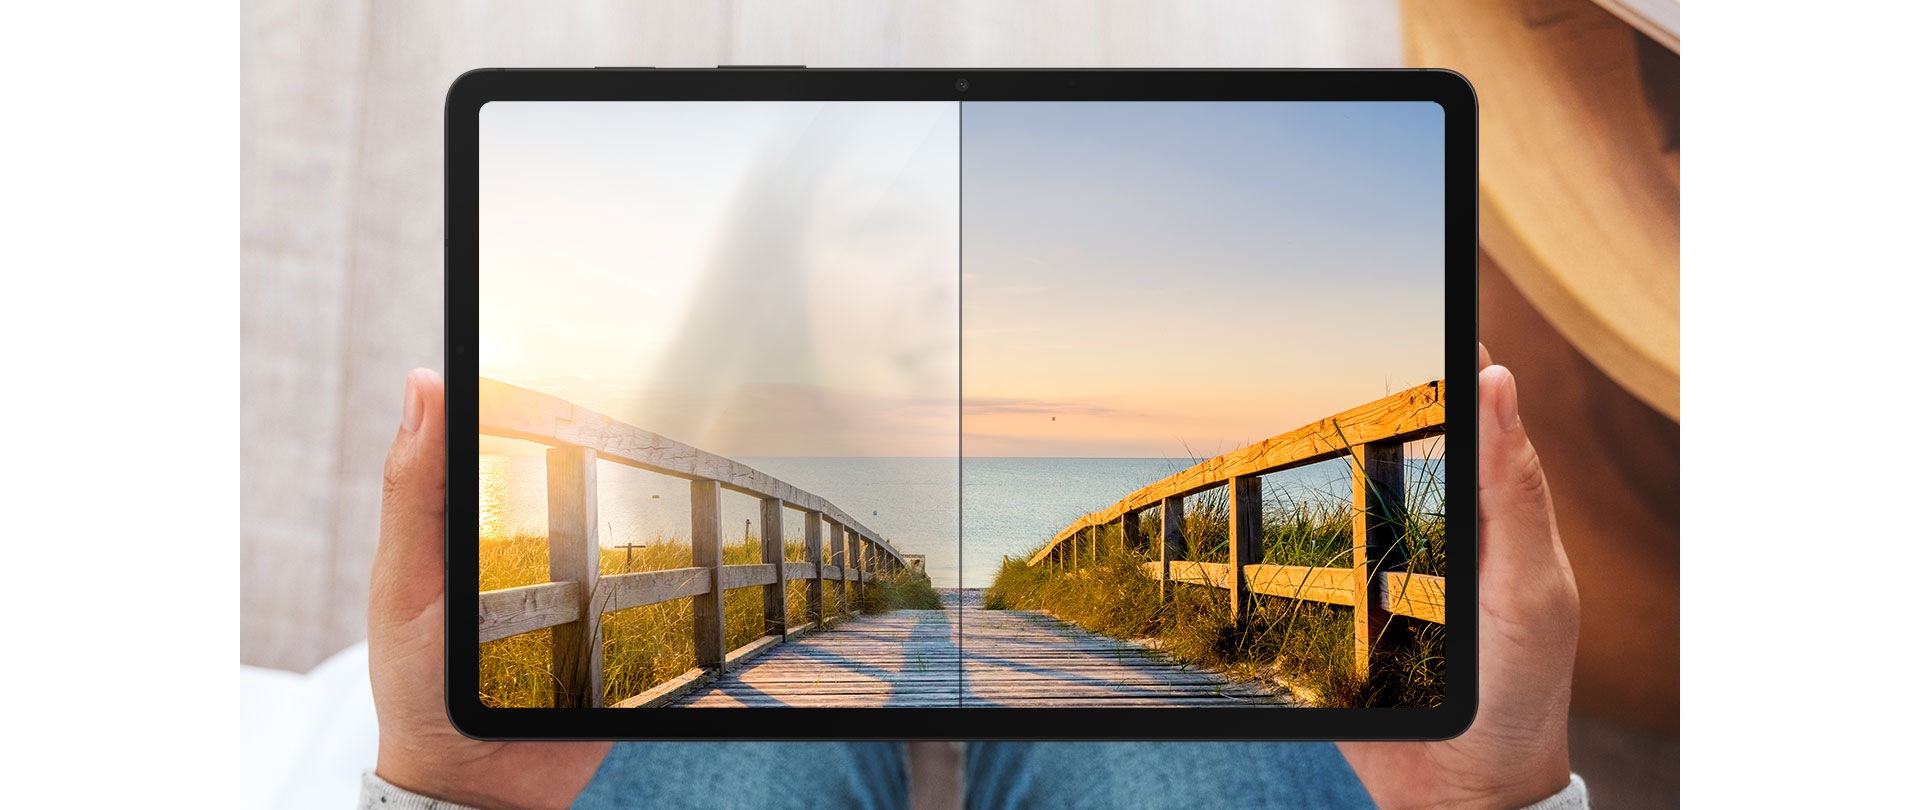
column 960, row 404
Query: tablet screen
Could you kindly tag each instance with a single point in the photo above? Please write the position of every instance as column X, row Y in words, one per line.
column 835, row 404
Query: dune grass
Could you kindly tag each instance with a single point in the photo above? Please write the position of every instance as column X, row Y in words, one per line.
column 1305, row 647
column 646, row 646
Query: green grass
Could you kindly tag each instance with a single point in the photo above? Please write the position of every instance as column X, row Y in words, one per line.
column 646, row 646
column 1307, row 647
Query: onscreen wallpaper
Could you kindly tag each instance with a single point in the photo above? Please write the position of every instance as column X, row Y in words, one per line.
column 937, row 404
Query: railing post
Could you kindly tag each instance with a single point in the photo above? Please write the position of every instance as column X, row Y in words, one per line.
column 1379, row 507
column 816, row 587
column 840, row 560
column 853, row 571
column 1173, row 540
column 773, row 549
column 1130, row 531
column 709, row 613
column 871, row 565
column 573, row 555
column 1244, row 541
column 861, row 562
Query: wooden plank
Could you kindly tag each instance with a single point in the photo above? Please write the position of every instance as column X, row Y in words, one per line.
column 667, row 692
column 1135, row 679
column 709, row 609
column 800, row 570
column 695, row 678
column 816, row 583
column 1173, row 540
column 1379, row 517
column 1209, row 701
column 748, row 576
column 773, row 551
column 1109, row 687
column 1011, row 658
column 749, row 651
column 723, row 700
column 573, row 555
column 519, row 413
column 512, row 611
column 640, row 588
column 1333, row 586
column 1195, row 573
column 1415, row 413
column 1421, row 596
column 1245, row 542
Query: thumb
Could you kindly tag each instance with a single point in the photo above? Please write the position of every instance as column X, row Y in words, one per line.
column 407, row 571
column 1527, row 587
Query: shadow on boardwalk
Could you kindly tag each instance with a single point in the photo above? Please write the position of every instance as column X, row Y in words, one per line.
column 1009, row 658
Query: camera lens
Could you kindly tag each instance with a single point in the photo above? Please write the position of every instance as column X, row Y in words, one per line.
column 960, row 85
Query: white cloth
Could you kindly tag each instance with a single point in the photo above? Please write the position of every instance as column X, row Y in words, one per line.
column 306, row 739
column 1571, row 797
column 380, row 794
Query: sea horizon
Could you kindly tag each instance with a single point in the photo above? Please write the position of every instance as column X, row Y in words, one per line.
column 963, row 514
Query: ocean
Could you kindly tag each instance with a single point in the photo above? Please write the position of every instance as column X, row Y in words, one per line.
column 1008, row 506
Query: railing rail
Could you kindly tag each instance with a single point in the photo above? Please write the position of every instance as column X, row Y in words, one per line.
column 573, row 602
column 1376, row 585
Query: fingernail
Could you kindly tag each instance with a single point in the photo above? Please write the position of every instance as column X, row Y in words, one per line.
column 1506, row 402
column 410, row 416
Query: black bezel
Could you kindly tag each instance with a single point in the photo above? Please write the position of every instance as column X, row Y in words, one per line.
column 474, row 89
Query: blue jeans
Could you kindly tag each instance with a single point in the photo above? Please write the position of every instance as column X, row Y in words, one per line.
column 770, row 776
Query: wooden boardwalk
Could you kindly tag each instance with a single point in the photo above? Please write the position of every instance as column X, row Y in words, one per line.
column 1009, row 658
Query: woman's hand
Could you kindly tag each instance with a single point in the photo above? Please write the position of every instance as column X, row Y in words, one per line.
column 419, row 748
column 1516, row 752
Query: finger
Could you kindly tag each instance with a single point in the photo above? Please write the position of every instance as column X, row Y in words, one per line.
column 1523, row 566
column 407, row 572
column 1485, row 359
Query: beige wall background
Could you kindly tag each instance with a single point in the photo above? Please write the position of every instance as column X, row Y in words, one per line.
column 341, row 209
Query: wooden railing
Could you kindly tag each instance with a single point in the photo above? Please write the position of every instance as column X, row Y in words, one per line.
column 572, row 603
column 1374, row 585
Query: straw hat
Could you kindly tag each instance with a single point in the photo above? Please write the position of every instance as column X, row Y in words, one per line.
column 1579, row 166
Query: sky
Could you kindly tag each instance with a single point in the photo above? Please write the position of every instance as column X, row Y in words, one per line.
column 1177, row 280
column 751, row 278
column 1078, row 279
